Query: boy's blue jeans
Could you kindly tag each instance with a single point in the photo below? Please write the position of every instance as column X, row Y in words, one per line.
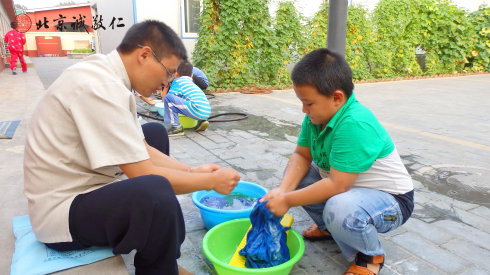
column 354, row 218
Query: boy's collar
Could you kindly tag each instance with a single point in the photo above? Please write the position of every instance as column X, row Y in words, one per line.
column 340, row 112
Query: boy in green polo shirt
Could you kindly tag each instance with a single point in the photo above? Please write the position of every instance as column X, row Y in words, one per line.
column 345, row 171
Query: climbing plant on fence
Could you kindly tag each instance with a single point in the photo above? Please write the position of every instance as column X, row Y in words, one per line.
column 240, row 44
column 316, row 30
column 398, row 27
column 479, row 57
column 366, row 55
column 289, row 42
column 446, row 36
column 234, row 41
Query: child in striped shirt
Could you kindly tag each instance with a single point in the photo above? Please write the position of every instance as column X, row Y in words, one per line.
column 185, row 97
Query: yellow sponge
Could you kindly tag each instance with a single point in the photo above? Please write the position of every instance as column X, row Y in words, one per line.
column 238, row 260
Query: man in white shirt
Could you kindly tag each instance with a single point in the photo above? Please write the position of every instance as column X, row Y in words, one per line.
column 85, row 133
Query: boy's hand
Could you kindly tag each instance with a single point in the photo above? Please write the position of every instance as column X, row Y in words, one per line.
column 273, row 193
column 205, row 168
column 278, row 204
column 225, row 180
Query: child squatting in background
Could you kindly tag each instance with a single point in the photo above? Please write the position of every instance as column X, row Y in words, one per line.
column 185, row 97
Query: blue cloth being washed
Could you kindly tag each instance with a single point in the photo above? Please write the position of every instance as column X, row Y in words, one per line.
column 266, row 241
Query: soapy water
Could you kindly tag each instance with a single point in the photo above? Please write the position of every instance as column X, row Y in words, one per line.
column 233, row 201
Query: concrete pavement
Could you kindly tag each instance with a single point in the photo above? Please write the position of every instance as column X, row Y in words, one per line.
column 440, row 126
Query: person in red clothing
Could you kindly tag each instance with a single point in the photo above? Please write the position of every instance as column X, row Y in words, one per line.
column 16, row 41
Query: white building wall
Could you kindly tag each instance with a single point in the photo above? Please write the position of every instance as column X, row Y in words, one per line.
column 109, row 38
column 167, row 11
column 4, row 28
column 4, row 22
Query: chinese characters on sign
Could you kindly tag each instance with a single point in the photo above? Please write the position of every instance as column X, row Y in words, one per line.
column 79, row 23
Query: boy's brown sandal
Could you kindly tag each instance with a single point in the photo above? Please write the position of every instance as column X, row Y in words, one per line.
column 313, row 233
column 359, row 267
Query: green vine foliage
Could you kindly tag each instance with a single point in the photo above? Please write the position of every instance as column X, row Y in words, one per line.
column 398, row 24
column 234, row 43
column 316, row 30
column 365, row 54
column 241, row 45
column 446, row 36
column 479, row 57
column 289, row 43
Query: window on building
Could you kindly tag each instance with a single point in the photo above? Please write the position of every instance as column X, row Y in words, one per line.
column 191, row 11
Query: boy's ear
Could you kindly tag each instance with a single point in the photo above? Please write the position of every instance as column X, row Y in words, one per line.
column 339, row 96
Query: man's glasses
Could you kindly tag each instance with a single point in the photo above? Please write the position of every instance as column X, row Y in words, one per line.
column 170, row 75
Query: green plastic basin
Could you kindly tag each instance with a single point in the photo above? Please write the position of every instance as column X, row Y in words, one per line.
column 187, row 122
column 221, row 241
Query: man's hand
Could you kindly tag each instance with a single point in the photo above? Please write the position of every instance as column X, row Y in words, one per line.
column 225, row 180
column 148, row 100
column 205, row 168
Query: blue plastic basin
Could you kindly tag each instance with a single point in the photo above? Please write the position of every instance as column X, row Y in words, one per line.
column 212, row 216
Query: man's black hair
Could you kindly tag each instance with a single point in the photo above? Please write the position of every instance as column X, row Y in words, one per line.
column 185, row 68
column 325, row 70
column 155, row 34
column 14, row 24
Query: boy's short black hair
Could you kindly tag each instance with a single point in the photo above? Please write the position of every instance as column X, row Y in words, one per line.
column 14, row 24
column 155, row 34
column 325, row 70
column 185, row 68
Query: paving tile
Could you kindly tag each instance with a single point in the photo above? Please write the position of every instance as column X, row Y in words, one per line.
column 298, row 271
column 387, row 270
column 219, row 145
column 238, row 139
column 417, row 267
column 467, row 217
column 193, row 262
column 428, row 231
column 424, row 249
column 472, row 253
column 215, row 137
column 327, row 247
column 300, row 216
column 129, row 261
column 394, row 253
column 482, row 211
column 422, row 197
column 464, row 231
column 395, row 232
column 244, row 164
column 417, row 185
column 450, row 201
column 425, row 213
column 313, row 264
column 342, row 261
column 474, row 271
column 200, row 139
column 228, row 152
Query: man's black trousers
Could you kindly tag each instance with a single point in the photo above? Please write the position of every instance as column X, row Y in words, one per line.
column 140, row 213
